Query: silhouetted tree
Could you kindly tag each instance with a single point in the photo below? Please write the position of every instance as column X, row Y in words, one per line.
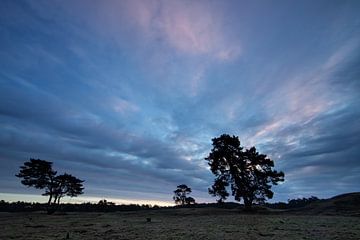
column 248, row 173
column 189, row 200
column 103, row 202
column 180, row 194
column 67, row 185
column 39, row 174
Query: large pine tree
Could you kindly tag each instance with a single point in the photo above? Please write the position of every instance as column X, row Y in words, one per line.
column 248, row 173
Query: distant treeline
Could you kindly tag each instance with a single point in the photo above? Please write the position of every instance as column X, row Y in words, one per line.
column 71, row 207
column 101, row 206
column 293, row 203
column 105, row 206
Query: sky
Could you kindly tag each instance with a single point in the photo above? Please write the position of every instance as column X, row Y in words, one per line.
column 127, row 95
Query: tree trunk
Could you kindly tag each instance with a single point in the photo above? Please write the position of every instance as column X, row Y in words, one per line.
column 49, row 208
column 57, row 203
column 248, row 204
column 50, row 198
column 52, row 205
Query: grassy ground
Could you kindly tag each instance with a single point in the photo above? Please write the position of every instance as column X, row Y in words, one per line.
column 177, row 224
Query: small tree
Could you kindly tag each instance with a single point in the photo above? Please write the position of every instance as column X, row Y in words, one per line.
column 104, row 202
column 180, row 194
column 190, row 200
column 248, row 173
column 39, row 174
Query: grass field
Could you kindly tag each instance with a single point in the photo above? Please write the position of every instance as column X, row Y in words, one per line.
column 177, row 224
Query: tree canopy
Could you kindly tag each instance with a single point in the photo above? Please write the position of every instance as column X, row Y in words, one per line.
column 39, row 174
column 67, row 185
column 248, row 173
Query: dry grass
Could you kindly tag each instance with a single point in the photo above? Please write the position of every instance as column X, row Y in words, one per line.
column 177, row 224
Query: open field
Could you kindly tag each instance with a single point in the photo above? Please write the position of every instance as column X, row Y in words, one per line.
column 187, row 224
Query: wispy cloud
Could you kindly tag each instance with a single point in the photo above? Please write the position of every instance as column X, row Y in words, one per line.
column 192, row 34
column 124, row 106
column 190, row 27
column 307, row 95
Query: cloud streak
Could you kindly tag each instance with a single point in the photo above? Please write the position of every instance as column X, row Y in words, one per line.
column 189, row 27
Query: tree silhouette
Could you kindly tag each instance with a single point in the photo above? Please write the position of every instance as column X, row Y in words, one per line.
column 248, row 173
column 67, row 185
column 180, row 195
column 189, row 200
column 39, row 174
column 104, row 202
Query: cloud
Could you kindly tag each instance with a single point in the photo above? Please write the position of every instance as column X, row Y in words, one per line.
column 141, row 163
column 189, row 27
column 165, row 35
column 77, row 129
column 309, row 94
column 341, row 55
column 123, row 106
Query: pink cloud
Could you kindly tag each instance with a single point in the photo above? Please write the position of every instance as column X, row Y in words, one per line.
column 189, row 27
column 123, row 106
column 303, row 98
column 160, row 33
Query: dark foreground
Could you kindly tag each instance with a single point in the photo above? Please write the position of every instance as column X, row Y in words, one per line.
column 177, row 224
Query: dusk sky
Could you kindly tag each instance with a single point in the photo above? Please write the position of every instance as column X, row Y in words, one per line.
column 127, row 95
